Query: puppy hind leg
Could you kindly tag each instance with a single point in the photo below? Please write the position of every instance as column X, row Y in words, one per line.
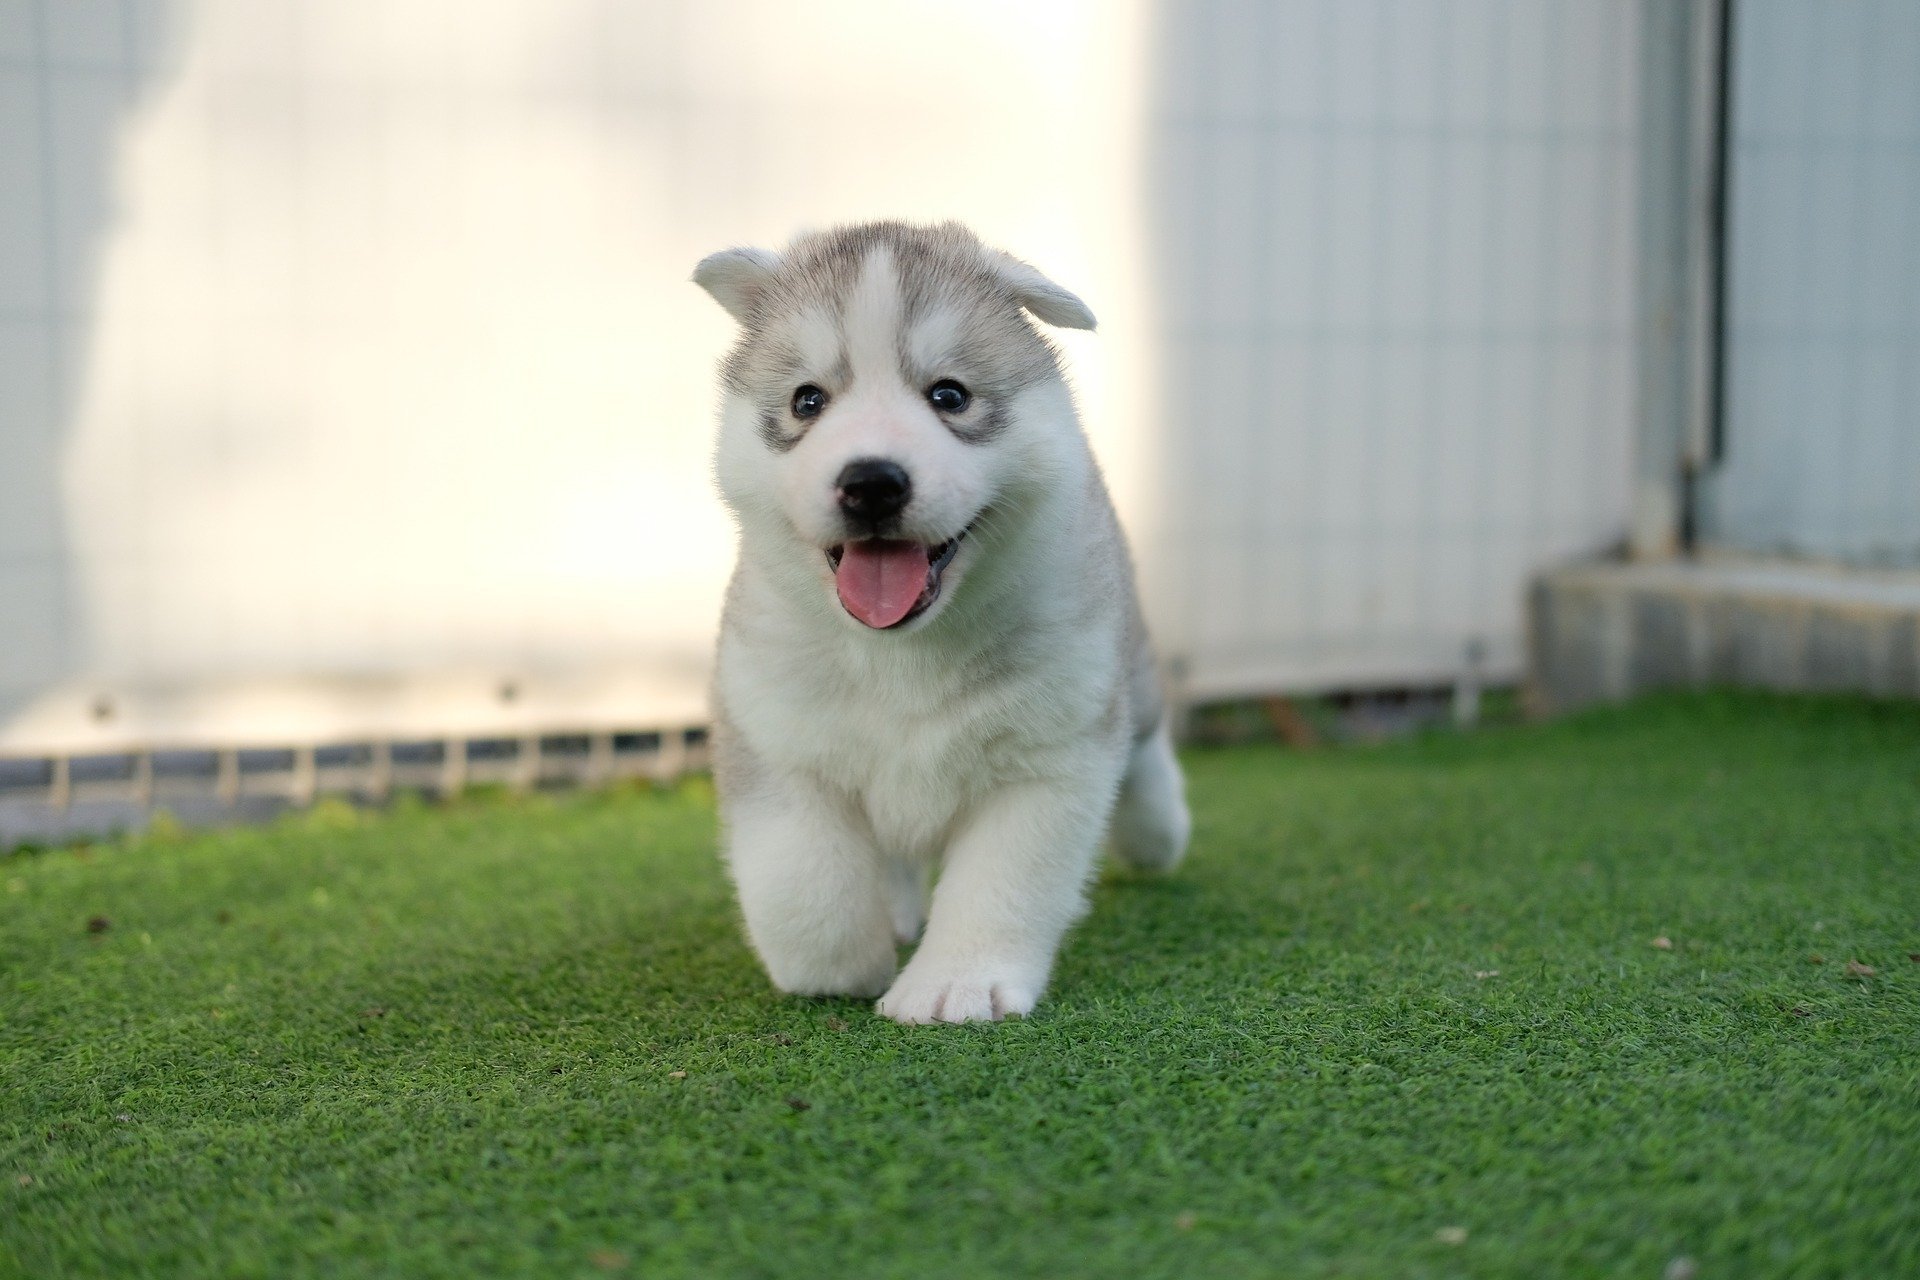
column 1150, row 822
column 907, row 899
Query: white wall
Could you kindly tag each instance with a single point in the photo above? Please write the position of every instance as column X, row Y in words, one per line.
column 1395, row 248
column 351, row 340
column 346, row 349
column 1822, row 452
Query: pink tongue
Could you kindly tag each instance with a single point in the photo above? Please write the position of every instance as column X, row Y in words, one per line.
column 880, row 581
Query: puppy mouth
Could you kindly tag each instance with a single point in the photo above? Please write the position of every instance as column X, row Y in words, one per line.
column 887, row 582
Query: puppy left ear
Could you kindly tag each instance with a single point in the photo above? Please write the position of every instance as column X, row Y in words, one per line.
column 736, row 278
column 1045, row 299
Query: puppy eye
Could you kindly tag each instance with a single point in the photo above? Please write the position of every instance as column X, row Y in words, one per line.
column 948, row 396
column 808, row 401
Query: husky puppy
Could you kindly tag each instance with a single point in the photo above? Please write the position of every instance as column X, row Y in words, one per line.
column 931, row 656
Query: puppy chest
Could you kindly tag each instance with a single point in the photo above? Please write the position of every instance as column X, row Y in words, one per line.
column 911, row 781
column 909, row 787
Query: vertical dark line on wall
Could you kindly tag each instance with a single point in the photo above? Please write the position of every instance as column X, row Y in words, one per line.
column 1689, row 531
column 1696, row 461
column 1717, row 238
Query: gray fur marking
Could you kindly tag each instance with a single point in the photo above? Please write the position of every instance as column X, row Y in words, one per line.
column 997, row 355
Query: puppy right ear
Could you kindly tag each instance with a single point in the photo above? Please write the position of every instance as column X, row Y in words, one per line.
column 736, row 278
column 1041, row 296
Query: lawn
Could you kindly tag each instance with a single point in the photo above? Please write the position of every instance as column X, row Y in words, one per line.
column 1631, row 995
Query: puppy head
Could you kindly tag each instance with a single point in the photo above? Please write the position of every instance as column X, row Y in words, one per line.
column 888, row 399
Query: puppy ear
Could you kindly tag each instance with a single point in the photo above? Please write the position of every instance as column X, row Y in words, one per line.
column 1045, row 299
column 736, row 278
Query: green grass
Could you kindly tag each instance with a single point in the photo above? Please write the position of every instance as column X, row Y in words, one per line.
column 451, row 1041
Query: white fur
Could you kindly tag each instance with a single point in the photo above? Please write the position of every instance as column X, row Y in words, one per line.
column 988, row 739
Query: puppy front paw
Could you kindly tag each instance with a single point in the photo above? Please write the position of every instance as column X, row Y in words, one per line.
column 939, row 994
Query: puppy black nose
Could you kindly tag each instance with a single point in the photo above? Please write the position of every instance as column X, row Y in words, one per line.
column 871, row 490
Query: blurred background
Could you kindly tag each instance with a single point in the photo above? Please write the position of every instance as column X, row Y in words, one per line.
column 355, row 410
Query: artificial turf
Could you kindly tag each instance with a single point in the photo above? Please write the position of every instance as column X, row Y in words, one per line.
column 1408, row 1010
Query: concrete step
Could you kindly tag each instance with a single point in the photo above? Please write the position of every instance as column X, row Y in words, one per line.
column 1603, row 631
